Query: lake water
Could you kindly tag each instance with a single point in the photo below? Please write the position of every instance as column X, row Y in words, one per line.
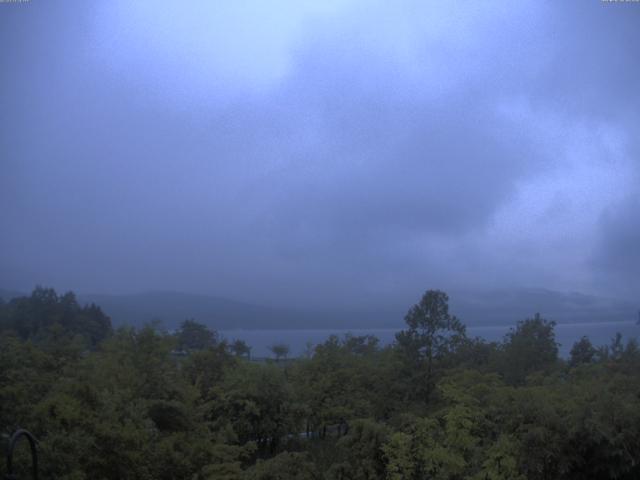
column 566, row 335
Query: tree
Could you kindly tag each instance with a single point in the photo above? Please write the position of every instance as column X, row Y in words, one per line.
column 46, row 316
column 432, row 335
column 360, row 345
column 280, row 350
column 241, row 349
column 361, row 452
column 193, row 335
column 205, row 368
column 616, row 349
column 582, row 352
column 337, row 385
column 257, row 401
column 434, row 448
column 531, row 347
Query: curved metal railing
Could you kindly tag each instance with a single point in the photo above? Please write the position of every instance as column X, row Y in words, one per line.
column 34, row 453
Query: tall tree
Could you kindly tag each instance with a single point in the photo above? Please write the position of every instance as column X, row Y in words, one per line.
column 432, row 334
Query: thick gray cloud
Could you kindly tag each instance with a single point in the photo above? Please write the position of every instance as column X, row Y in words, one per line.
column 359, row 153
column 617, row 255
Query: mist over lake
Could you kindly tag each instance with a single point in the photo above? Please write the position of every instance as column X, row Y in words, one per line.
column 298, row 339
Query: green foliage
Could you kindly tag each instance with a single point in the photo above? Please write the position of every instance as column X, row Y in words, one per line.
column 46, row 316
column 143, row 404
column 257, row 402
column 582, row 352
column 340, row 382
column 361, row 450
column 285, row 466
column 530, row 348
column 433, row 336
column 195, row 336
column 204, row 369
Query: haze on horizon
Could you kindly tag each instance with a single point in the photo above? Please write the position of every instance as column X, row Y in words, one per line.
column 342, row 153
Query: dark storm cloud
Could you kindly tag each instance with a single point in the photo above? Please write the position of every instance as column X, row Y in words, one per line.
column 376, row 165
column 617, row 255
column 621, row 237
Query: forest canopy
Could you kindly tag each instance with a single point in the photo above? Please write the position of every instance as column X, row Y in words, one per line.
column 149, row 404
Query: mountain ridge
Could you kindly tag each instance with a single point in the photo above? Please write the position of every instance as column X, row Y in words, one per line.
column 474, row 308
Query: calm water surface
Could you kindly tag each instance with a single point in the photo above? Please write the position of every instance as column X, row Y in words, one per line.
column 566, row 335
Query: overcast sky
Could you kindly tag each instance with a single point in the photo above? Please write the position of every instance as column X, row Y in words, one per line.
column 345, row 152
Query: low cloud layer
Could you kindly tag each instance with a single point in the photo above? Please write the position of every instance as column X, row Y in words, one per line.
column 352, row 154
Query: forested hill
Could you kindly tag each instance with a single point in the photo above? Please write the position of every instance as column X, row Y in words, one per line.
column 495, row 307
column 171, row 308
